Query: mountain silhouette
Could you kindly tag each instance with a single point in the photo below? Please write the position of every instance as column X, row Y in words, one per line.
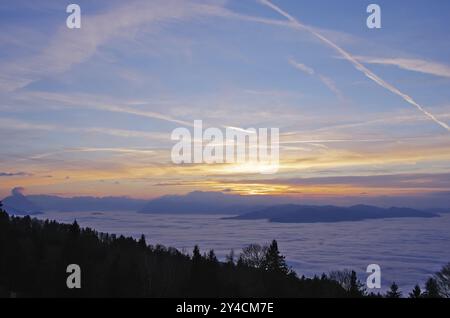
column 199, row 202
column 19, row 204
column 291, row 213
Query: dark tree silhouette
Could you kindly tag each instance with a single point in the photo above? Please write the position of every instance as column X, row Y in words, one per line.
column 416, row 292
column 34, row 255
column 343, row 277
column 212, row 257
column 394, row 292
column 274, row 262
column 196, row 256
column 253, row 255
column 142, row 242
column 229, row 259
column 442, row 279
column 356, row 287
column 431, row 289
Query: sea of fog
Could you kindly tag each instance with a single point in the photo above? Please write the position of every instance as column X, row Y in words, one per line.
column 408, row 250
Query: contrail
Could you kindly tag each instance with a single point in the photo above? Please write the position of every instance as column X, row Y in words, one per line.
column 355, row 63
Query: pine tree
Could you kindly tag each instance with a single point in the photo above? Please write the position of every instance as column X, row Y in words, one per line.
column 212, row 257
column 431, row 289
column 394, row 292
column 443, row 281
column 230, row 258
column 142, row 242
column 196, row 256
column 416, row 292
column 275, row 262
column 3, row 215
column 75, row 228
column 356, row 287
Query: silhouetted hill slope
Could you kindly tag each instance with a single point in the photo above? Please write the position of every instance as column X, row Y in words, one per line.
column 34, row 256
column 19, row 204
column 199, row 202
column 292, row 213
column 55, row 203
column 194, row 202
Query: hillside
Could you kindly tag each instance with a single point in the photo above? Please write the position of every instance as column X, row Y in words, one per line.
column 35, row 254
column 199, row 202
column 20, row 204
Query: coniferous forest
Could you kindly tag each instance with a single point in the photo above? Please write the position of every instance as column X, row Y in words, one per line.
column 34, row 256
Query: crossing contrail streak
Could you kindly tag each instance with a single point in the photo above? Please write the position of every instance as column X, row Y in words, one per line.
column 355, row 63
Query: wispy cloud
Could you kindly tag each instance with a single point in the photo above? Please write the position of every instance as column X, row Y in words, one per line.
column 99, row 103
column 14, row 174
column 302, row 67
column 439, row 181
column 9, row 123
column 119, row 150
column 327, row 81
column 415, row 65
column 13, row 124
column 240, row 129
column 95, row 149
column 349, row 57
column 125, row 133
column 418, row 183
column 67, row 48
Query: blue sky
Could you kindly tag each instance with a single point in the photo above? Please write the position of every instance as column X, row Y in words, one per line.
column 90, row 111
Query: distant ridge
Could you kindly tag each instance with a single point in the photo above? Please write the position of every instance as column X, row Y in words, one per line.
column 274, row 209
column 291, row 213
column 19, row 204
column 199, row 202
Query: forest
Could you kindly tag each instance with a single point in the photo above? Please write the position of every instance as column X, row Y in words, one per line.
column 34, row 256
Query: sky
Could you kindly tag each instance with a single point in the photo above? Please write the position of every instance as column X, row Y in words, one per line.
column 362, row 112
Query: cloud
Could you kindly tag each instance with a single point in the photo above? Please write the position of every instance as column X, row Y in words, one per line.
column 99, row 103
column 328, row 82
column 148, row 114
column 118, row 150
column 346, row 55
column 9, row 123
column 13, row 124
column 14, row 174
column 302, row 67
column 96, row 149
column 405, row 181
column 71, row 47
column 240, row 129
column 17, row 191
column 126, row 133
column 415, row 65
